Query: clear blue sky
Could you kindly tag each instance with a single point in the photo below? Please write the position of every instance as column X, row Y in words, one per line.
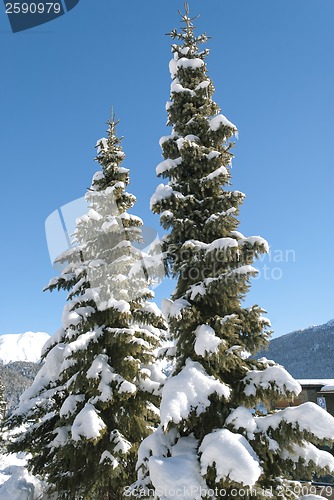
column 272, row 65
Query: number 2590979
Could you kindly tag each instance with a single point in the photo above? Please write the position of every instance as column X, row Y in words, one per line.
column 33, row 8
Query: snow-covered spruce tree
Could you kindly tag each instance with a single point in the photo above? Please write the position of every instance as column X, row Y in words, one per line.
column 96, row 395
column 211, row 435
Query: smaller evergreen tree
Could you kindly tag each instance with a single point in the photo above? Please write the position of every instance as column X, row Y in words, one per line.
column 96, row 396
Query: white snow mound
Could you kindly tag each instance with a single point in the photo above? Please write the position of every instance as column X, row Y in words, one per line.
column 16, row 483
column 232, row 456
column 189, row 391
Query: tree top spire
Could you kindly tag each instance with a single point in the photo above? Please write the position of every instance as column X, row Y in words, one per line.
column 189, row 29
column 186, row 33
column 112, row 122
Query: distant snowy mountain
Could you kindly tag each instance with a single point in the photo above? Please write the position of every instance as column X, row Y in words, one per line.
column 22, row 346
column 307, row 353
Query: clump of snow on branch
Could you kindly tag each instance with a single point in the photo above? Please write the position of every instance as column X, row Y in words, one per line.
column 174, row 309
column 189, row 391
column 242, row 418
column 163, row 192
column 271, row 377
column 309, row 453
column 70, row 404
column 232, row 456
column 252, row 240
column 165, row 472
column 307, row 417
column 106, row 456
column 167, row 165
column 87, row 424
column 206, row 340
column 218, row 120
column 48, row 373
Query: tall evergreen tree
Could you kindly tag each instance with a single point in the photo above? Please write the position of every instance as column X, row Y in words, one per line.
column 211, row 436
column 96, row 396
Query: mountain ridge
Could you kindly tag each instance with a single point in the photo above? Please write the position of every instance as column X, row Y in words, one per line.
column 20, row 355
column 307, row 353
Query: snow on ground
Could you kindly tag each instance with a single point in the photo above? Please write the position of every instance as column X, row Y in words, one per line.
column 16, row 483
column 22, row 346
column 311, row 497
